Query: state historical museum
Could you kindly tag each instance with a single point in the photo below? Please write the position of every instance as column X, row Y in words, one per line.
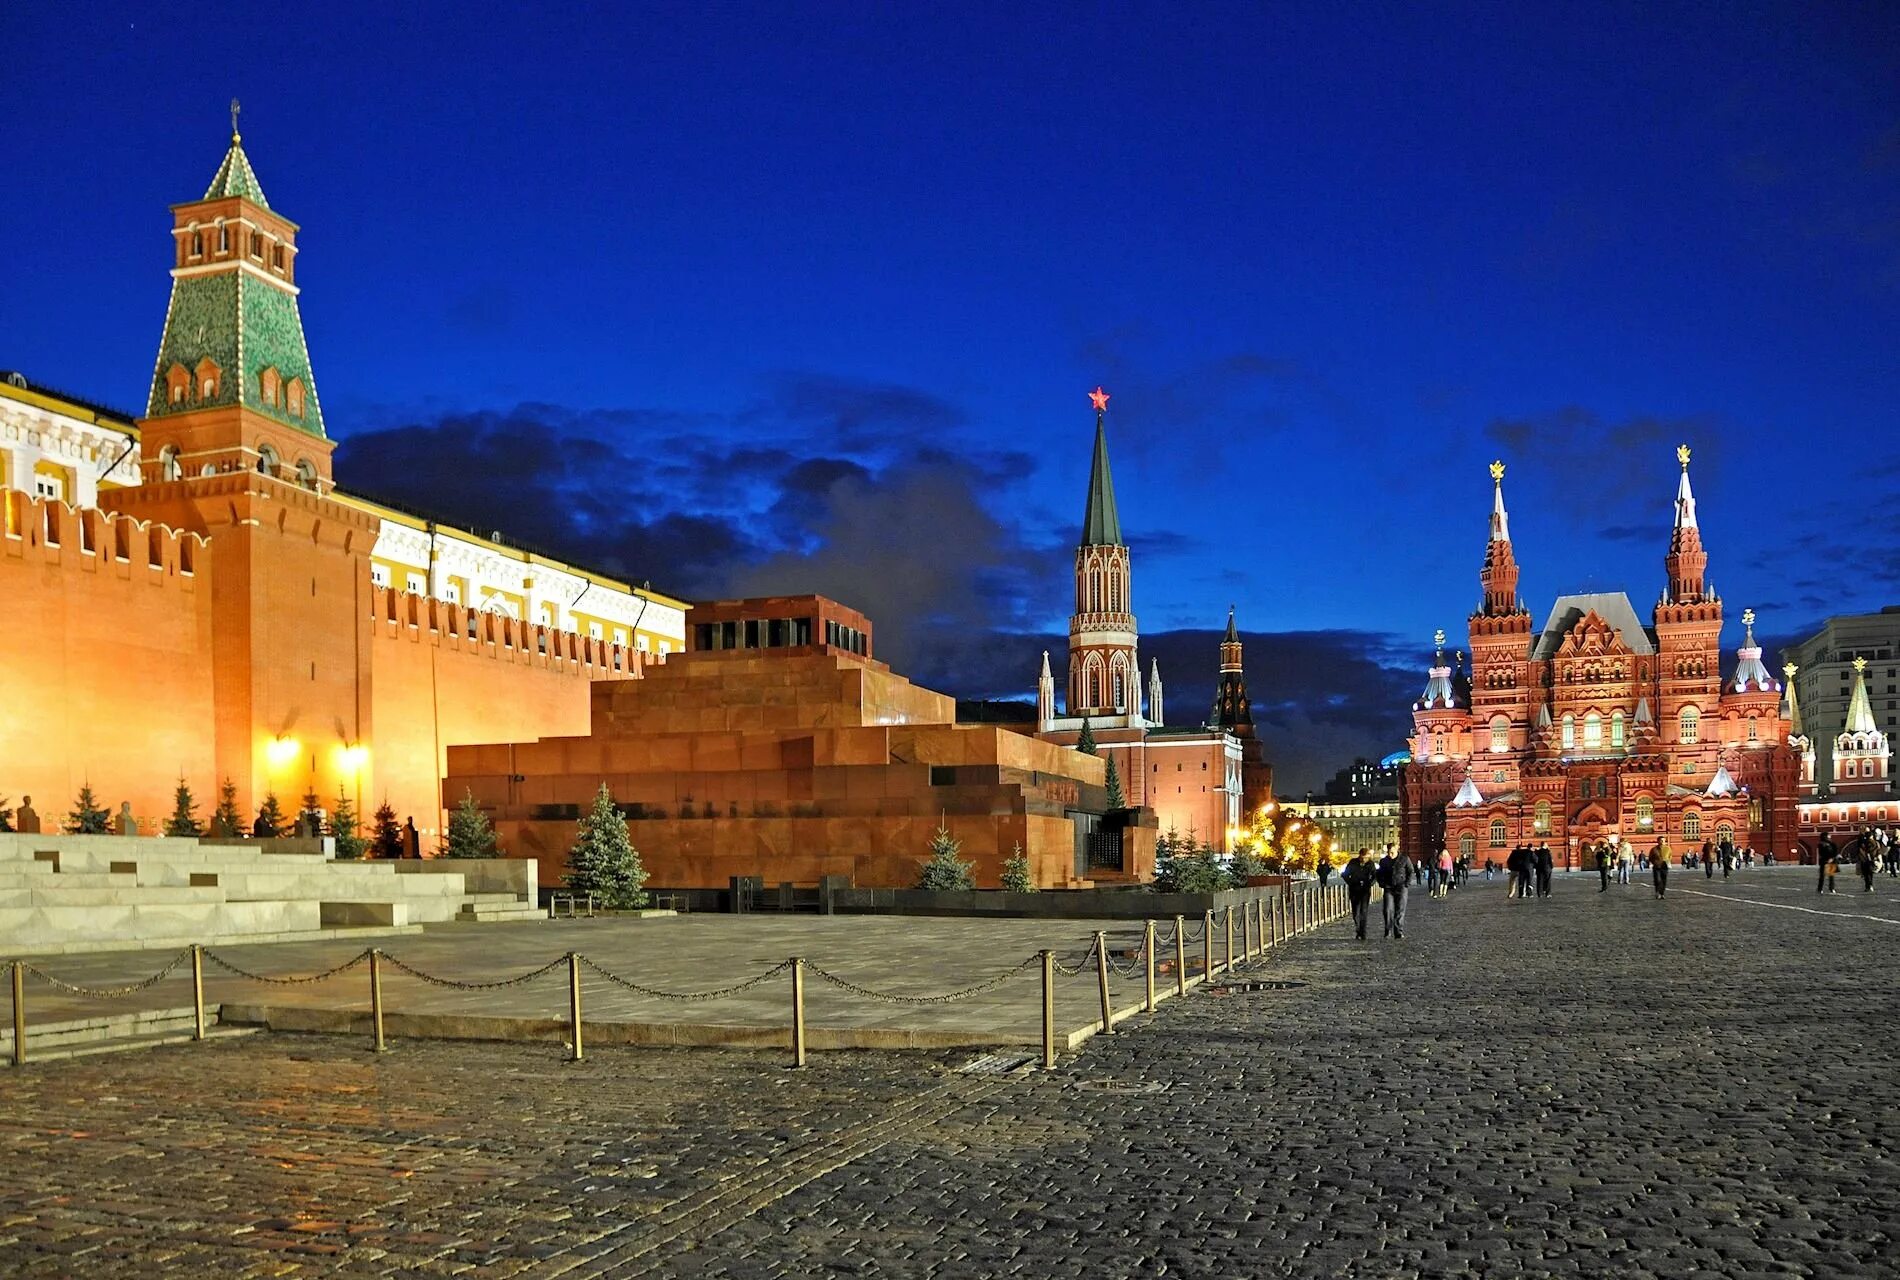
column 1595, row 725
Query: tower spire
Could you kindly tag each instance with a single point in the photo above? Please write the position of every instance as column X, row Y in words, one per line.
column 1101, row 522
column 1499, row 575
column 1232, row 707
column 1686, row 562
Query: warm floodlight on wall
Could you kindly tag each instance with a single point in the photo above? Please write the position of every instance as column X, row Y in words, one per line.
column 282, row 752
column 353, row 757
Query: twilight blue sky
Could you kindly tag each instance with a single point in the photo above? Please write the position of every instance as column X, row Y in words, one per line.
column 740, row 297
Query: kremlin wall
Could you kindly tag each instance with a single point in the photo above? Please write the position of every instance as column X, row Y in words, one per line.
column 197, row 600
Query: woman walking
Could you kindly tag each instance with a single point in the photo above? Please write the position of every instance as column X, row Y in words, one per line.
column 1659, row 867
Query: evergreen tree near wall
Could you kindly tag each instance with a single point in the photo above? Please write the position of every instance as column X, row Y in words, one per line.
column 946, row 872
column 1016, row 877
column 1198, row 870
column 270, row 817
column 1112, row 780
column 226, row 821
column 1167, row 848
column 345, row 825
column 1085, row 741
column 310, row 814
column 6, row 815
column 87, row 817
column 470, row 833
column 603, row 861
column 386, row 835
column 1245, row 864
column 184, row 819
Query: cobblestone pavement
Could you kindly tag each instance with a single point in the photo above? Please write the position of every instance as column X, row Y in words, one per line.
column 1600, row 1084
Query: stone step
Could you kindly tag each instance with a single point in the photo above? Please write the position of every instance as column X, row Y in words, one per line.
column 66, row 879
column 56, row 894
column 505, row 909
column 105, row 1025
column 162, row 948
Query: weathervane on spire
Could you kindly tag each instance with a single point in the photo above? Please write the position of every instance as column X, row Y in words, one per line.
column 1497, row 472
column 1748, row 617
column 1860, row 664
column 1438, row 637
column 235, row 108
column 1682, row 455
column 1099, row 398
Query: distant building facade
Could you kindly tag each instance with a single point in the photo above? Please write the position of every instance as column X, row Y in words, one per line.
column 1357, row 824
column 1825, row 679
column 1597, row 724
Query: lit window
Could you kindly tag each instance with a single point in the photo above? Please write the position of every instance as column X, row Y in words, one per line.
column 1689, row 725
column 1497, row 833
column 1692, row 826
column 1593, row 732
column 1542, row 820
column 1616, row 729
column 1570, row 733
column 1645, row 811
column 1500, row 734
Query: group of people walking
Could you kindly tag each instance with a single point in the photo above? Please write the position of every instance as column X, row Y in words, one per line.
column 1396, row 874
column 1876, row 849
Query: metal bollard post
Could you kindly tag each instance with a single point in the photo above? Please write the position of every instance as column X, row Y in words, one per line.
column 1101, row 973
column 198, row 990
column 1048, row 1010
column 1246, row 931
column 798, row 1011
column 1230, row 937
column 1207, row 945
column 574, row 1003
column 1260, row 925
column 376, row 997
column 19, row 1012
column 1148, row 950
column 1180, row 955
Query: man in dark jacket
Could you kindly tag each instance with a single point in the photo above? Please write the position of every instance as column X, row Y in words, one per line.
column 1825, row 855
column 1360, row 875
column 1544, row 864
column 1396, row 874
column 1603, row 865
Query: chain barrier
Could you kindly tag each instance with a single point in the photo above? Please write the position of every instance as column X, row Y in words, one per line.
column 1134, row 969
column 1081, row 965
column 988, row 984
column 559, row 962
column 291, row 981
column 710, row 994
column 108, row 993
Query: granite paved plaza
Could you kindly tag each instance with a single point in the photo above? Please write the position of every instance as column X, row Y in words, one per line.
column 1598, row 1085
column 906, row 956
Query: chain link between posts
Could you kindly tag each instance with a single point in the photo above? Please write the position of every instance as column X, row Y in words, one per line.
column 559, row 962
column 289, row 980
column 710, row 994
column 1081, row 966
column 988, row 984
column 108, row 993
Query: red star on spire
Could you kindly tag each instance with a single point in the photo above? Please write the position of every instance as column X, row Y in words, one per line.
column 1099, row 398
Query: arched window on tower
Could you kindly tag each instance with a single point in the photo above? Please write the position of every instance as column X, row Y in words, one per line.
column 1616, row 729
column 168, row 467
column 307, row 474
column 267, row 460
column 1095, row 686
column 224, row 238
column 1593, row 732
column 1542, row 817
column 1570, row 733
column 1121, row 693
column 1689, row 726
column 1500, row 733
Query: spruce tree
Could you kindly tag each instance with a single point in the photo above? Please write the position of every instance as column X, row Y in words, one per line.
column 946, row 872
column 1197, row 869
column 1167, row 848
column 1085, row 741
column 603, row 861
column 349, row 841
column 184, row 819
column 226, row 821
column 87, row 818
column 1245, row 864
column 470, row 835
column 6, row 815
column 386, row 838
column 310, row 812
column 1112, row 780
column 270, row 817
column 1016, row 877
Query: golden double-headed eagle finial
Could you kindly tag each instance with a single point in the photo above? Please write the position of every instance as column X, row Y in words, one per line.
column 1438, row 637
column 1860, row 664
column 1682, row 454
column 1748, row 617
column 1497, row 472
column 1788, row 669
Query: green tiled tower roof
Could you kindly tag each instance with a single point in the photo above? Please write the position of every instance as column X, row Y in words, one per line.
column 236, row 178
column 241, row 318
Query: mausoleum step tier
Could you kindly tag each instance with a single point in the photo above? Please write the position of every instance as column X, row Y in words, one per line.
column 63, row 893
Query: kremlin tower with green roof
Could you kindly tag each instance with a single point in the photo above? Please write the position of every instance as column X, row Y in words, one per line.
column 234, row 341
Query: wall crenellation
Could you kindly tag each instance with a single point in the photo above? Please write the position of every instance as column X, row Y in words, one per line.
column 476, row 631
